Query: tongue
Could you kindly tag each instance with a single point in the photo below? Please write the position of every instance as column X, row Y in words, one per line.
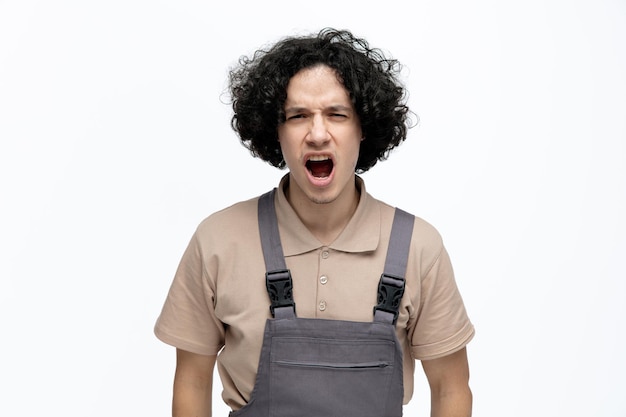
column 320, row 169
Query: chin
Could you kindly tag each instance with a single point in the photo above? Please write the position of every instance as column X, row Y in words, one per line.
column 322, row 198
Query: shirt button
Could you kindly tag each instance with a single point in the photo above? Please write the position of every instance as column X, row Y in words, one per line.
column 322, row 305
column 323, row 279
column 325, row 254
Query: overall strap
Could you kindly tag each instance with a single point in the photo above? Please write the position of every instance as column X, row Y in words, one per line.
column 391, row 285
column 278, row 277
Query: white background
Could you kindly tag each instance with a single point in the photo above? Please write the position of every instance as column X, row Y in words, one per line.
column 115, row 143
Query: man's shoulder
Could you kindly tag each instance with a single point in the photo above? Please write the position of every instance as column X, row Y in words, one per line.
column 426, row 242
column 236, row 219
column 424, row 232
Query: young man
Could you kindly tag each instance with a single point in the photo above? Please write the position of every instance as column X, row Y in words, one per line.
column 327, row 107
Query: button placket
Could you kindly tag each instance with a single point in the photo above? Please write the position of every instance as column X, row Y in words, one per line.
column 323, row 279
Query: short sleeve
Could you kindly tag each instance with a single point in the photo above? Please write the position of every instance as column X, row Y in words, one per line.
column 442, row 325
column 187, row 320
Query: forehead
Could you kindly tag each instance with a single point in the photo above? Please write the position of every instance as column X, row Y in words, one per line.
column 318, row 83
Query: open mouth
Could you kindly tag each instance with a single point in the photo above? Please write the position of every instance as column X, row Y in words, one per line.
column 320, row 166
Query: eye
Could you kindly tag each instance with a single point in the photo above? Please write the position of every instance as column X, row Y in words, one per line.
column 296, row 116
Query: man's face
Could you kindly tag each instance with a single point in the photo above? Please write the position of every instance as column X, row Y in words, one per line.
column 320, row 137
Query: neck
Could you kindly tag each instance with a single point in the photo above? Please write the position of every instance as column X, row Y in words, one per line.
column 325, row 221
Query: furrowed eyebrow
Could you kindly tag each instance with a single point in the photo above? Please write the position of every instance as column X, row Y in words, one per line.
column 295, row 109
column 340, row 108
column 337, row 108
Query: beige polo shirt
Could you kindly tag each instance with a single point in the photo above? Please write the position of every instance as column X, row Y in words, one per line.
column 218, row 302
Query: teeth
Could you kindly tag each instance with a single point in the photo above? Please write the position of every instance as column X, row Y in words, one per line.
column 316, row 158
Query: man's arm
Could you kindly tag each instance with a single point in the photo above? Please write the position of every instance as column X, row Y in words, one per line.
column 448, row 377
column 193, row 384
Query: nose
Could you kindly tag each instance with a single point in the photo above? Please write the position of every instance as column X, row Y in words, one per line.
column 318, row 135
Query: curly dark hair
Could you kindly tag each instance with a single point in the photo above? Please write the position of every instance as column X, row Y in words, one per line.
column 258, row 88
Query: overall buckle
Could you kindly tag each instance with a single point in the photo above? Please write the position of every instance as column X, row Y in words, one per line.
column 390, row 292
column 280, row 289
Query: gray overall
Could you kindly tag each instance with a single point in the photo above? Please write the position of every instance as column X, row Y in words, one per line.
column 329, row 368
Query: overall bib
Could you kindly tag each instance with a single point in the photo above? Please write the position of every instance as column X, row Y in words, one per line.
column 329, row 368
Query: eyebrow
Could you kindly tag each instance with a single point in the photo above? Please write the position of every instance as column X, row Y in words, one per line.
column 337, row 107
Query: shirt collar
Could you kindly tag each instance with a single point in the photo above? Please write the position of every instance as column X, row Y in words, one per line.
column 361, row 234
